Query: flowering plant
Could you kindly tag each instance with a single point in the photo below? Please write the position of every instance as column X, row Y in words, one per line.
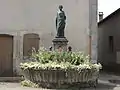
column 53, row 60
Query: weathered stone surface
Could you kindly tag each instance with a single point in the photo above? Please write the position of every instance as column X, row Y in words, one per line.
column 62, row 79
column 103, row 84
column 60, row 42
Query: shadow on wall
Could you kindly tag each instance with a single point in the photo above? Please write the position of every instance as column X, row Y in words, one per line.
column 112, row 68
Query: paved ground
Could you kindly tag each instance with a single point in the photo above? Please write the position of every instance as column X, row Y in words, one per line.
column 106, row 82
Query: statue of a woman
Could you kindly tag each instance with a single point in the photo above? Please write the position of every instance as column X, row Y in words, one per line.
column 60, row 22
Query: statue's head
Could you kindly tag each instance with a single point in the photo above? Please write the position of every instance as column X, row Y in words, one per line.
column 60, row 7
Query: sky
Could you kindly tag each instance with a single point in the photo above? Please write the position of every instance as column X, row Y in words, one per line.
column 108, row 6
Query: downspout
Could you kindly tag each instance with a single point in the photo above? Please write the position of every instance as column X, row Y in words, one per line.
column 89, row 35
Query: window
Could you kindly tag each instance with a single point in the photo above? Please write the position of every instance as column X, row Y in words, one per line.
column 111, row 43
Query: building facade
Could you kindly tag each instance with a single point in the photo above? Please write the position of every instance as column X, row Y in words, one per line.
column 109, row 41
column 31, row 23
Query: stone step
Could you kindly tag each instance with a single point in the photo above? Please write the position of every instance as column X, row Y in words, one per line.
column 10, row 79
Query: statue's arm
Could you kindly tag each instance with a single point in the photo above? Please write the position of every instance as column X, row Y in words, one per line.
column 64, row 15
column 56, row 22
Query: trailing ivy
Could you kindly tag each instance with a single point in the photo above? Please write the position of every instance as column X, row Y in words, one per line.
column 28, row 83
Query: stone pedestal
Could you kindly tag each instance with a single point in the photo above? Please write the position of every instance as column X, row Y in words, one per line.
column 60, row 42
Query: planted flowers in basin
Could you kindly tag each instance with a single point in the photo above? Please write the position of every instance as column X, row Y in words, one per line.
column 51, row 68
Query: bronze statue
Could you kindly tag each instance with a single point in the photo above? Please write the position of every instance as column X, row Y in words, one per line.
column 60, row 22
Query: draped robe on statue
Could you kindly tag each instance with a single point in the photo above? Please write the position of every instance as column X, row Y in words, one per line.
column 60, row 23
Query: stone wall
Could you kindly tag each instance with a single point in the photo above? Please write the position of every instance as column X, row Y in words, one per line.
column 20, row 17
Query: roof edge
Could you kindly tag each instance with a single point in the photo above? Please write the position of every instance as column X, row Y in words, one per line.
column 109, row 16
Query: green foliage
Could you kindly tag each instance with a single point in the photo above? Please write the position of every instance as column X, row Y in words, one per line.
column 28, row 83
column 75, row 58
column 59, row 60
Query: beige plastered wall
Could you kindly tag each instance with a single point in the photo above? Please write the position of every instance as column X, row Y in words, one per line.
column 19, row 17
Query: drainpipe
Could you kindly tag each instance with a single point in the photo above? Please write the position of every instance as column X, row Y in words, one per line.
column 89, row 31
column 89, row 44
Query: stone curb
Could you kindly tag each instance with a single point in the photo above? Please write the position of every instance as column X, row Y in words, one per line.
column 10, row 79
